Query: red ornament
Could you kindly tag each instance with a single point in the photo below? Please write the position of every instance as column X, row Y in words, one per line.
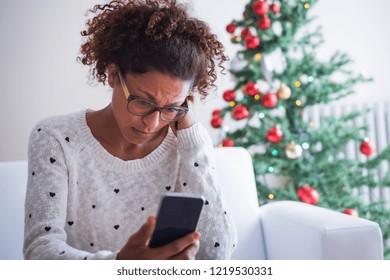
column 252, row 42
column 231, row 27
column 269, row 100
column 240, row 112
column 275, row 8
column 264, row 23
column 229, row 95
column 246, row 32
column 216, row 112
column 274, row 135
column 367, row 147
column 227, row 142
column 216, row 121
column 352, row 212
column 251, row 89
column 308, row 195
column 260, row 7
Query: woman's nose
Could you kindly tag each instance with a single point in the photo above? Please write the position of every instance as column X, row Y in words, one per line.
column 152, row 120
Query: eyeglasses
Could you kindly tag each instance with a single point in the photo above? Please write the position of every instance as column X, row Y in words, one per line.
column 142, row 107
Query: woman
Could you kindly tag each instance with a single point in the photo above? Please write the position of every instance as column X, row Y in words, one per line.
column 96, row 177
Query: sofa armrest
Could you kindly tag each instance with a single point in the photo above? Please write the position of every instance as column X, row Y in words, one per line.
column 295, row 230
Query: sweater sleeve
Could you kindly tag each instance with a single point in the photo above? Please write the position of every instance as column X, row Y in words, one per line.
column 197, row 175
column 46, row 200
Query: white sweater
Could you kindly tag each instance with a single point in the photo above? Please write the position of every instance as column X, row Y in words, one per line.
column 84, row 203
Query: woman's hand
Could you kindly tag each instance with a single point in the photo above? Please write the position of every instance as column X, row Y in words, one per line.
column 137, row 247
column 187, row 121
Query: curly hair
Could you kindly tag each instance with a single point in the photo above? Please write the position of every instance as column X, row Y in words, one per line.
column 141, row 35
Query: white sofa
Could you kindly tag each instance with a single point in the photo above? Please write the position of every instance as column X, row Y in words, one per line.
column 278, row 230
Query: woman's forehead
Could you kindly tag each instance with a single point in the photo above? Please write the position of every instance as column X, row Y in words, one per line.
column 156, row 86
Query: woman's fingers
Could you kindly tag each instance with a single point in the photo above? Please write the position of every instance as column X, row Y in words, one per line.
column 137, row 246
column 143, row 235
column 189, row 253
column 179, row 246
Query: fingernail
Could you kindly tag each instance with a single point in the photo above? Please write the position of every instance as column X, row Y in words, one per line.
column 196, row 235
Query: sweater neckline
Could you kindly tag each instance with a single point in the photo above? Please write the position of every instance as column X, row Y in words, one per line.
column 114, row 163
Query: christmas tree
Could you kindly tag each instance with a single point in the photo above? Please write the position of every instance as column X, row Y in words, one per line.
column 265, row 113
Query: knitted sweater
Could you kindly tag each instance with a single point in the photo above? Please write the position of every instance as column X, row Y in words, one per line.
column 84, row 203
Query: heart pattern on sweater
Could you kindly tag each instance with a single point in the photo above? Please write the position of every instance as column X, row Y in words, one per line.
column 52, row 160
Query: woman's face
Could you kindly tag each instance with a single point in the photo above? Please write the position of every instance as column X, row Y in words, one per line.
column 153, row 86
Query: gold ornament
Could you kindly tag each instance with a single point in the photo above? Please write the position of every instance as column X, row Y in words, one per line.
column 235, row 39
column 293, row 150
column 284, row 92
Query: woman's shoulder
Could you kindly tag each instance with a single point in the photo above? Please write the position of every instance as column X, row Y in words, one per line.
column 64, row 122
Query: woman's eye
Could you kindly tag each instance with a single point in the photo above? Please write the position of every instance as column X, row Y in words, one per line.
column 171, row 110
column 141, row 102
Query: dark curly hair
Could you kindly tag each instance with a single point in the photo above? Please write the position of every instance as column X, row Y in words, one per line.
column 141, row 35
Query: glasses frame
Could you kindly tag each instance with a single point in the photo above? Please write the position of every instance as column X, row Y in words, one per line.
column 130, row 97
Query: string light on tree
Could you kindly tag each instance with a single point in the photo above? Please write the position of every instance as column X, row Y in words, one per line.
column 257, row 57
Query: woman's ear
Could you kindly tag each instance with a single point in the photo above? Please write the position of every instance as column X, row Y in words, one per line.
column 112, row 75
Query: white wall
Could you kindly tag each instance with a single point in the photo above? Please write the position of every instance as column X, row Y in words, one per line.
column 39, row 43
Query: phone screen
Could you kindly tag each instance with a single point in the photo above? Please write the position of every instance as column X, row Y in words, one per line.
column 178, row 215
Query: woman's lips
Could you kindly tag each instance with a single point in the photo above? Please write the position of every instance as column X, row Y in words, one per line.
column 143, row 132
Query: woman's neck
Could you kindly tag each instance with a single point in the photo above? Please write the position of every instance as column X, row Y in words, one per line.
column 104, row 128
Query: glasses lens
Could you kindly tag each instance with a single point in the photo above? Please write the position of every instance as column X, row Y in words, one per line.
column 140, row 107
column 173, row 114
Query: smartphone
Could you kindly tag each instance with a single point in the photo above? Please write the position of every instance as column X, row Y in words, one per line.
column 177, row 216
